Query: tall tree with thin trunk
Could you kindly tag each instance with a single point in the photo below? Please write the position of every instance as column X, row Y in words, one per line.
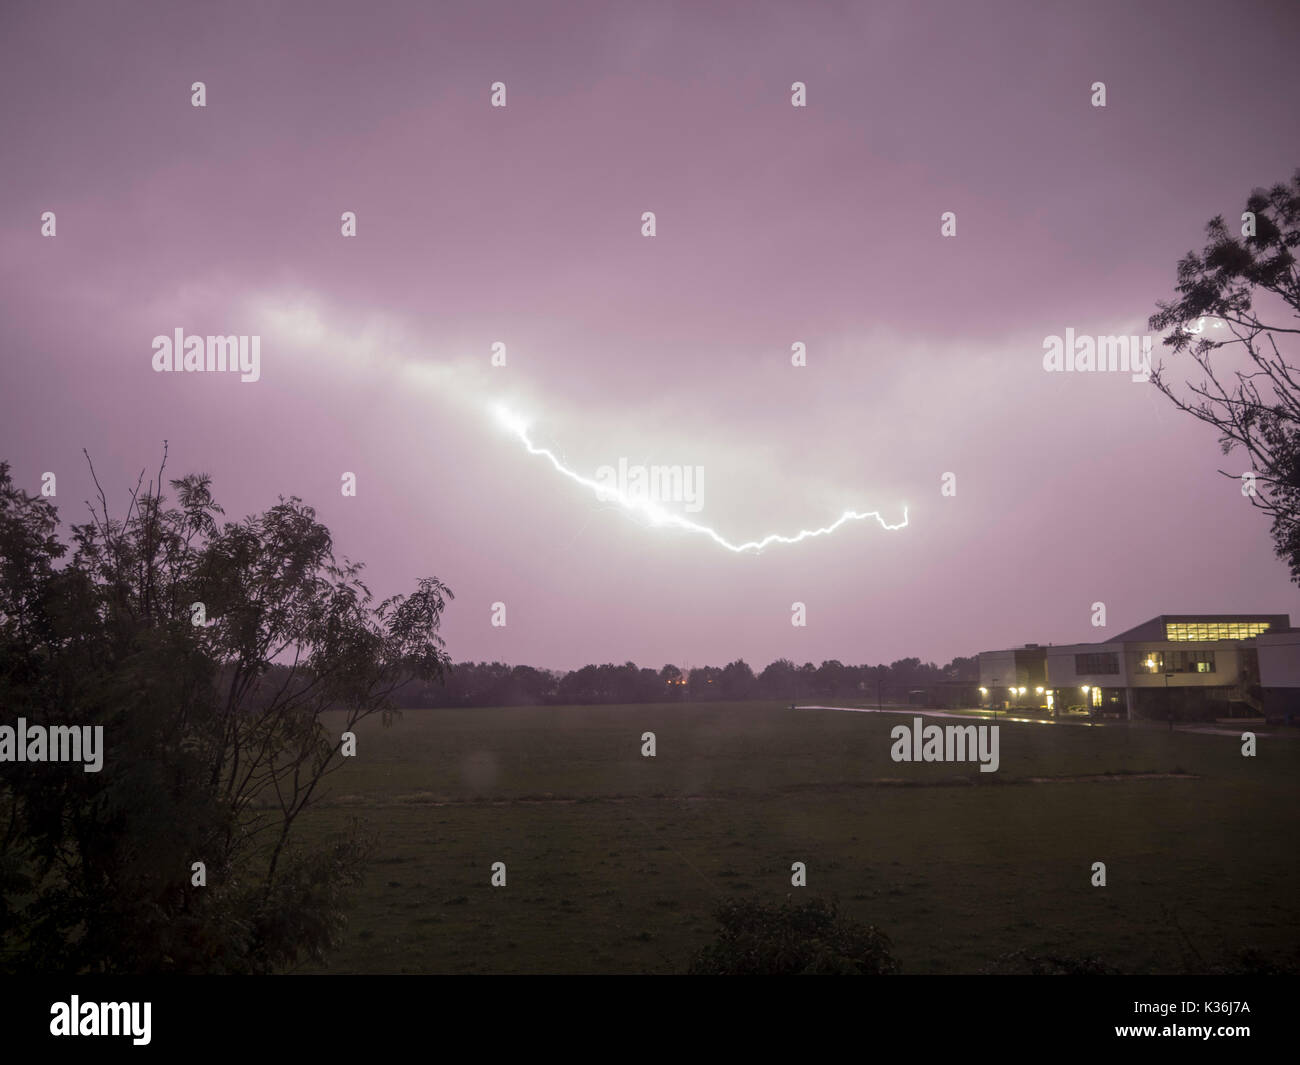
column 1237, row 316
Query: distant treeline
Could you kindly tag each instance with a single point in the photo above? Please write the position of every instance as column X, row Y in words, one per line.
column 498, row 684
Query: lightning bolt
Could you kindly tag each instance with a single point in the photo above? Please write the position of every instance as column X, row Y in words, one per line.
column 660, row 517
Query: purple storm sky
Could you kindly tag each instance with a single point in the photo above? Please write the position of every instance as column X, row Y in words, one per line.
column 775, row 224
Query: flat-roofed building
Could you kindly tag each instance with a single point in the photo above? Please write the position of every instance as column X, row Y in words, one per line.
column 1014, row 677
column 1174, row 665
column 1279, row 675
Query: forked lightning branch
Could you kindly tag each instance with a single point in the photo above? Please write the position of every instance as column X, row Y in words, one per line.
column 658, row 516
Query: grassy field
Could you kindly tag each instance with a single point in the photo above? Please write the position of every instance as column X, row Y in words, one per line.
column 615, row 861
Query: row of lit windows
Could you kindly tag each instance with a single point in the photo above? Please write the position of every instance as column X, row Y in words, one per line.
column 1214, row 630
column 1176, row 661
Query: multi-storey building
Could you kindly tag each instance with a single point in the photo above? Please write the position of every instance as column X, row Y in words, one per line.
column 1180, row 665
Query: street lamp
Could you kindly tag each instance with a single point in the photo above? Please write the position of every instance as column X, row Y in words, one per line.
column 1169, row 707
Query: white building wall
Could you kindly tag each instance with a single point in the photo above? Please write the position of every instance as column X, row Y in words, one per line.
column 997, row 668
column 1228, row 663
column 1062, row 672
column 1279, row 659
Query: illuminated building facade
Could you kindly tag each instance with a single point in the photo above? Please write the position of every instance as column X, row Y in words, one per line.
column 1184, row 666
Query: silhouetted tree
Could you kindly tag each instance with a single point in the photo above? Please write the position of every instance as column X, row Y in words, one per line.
column 496, row 684
column 737, row 680
column 670, row 678
column 704, row 683
column 962, row 669
column 214, row 737
column 1249, row 390
column 778, row 680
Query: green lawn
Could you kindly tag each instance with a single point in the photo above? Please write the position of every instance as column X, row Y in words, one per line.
column 615, row 861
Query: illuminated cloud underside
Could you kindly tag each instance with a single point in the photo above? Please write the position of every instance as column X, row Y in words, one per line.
column 659, row 517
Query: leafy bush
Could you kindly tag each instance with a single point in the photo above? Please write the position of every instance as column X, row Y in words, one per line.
column 209, row 655
column 760, row 939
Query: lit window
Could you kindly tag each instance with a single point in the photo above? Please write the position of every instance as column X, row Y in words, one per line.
column 1214, row 630
column 1151, row 661
column 1176, row 661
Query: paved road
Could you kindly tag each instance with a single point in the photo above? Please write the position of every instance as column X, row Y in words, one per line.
column 1209, row 730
